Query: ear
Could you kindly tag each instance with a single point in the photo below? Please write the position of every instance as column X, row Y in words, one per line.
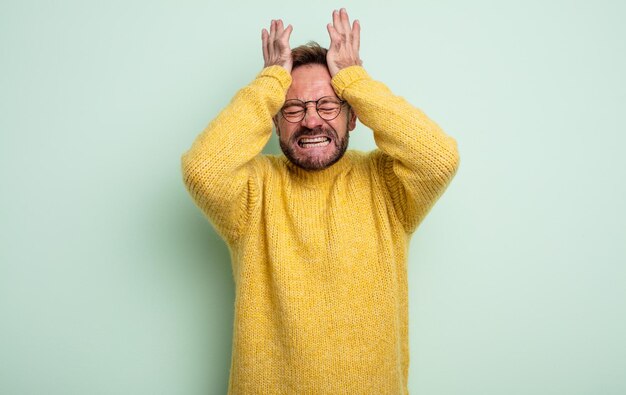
column 275, row 121
column 351, row 119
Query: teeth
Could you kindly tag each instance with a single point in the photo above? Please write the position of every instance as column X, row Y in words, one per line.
column 322, row 144
column 313, row 140
column 307, row 142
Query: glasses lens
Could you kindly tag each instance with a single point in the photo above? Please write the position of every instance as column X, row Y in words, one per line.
column 328, row 108
column 293, row 110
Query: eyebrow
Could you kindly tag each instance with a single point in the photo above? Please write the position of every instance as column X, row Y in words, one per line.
column 312, row 100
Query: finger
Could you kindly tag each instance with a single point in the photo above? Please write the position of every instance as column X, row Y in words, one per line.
column 287, row 33
column 271, row 43
column 272, row 32
column 279, row 27
column 337, row 21
column 356, row 35
column 264, row 38
column 335, row 38
column 345, row 21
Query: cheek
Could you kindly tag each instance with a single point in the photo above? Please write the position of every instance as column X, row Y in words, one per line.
column 340, row 124
column 285, row 130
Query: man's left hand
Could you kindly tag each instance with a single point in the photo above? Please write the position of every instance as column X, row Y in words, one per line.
column 344, row 42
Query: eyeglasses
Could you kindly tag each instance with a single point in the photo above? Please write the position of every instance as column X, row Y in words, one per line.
column 327, row 107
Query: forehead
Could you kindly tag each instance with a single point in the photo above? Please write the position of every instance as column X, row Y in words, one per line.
column 310, row 82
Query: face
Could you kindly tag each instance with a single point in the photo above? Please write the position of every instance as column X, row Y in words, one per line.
column 314, row 143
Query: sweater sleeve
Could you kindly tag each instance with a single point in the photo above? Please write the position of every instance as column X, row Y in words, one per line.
column 417, row 160
column 218, row 169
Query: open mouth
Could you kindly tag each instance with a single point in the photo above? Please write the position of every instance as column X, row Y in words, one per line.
column 312, row 142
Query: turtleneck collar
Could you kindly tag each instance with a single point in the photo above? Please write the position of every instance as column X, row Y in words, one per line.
column 320, row 177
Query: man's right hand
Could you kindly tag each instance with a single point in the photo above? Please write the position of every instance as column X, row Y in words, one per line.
column 276, row 50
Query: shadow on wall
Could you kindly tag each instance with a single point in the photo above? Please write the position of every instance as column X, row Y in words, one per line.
column 202, row 264
column 199, row 264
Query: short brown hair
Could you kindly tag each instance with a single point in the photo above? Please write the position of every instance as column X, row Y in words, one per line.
column 309, row 53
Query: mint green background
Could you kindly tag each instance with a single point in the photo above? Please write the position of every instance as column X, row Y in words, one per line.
column 112, row 282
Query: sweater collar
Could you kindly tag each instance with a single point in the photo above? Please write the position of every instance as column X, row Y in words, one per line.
column 320, row 177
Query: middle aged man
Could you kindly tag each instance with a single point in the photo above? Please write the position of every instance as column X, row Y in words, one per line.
column 318, row 239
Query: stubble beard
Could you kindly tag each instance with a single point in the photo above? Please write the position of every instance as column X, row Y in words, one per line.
column 315, row 163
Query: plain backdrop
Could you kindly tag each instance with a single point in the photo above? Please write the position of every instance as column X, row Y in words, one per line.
column 112, row 281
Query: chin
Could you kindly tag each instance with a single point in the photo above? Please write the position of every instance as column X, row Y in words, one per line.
column 314, row 162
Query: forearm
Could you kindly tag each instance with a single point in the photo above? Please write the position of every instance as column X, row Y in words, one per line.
column 400, row 130
column 217, row 168
column 419, row 158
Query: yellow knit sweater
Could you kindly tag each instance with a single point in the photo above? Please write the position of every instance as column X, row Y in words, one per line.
column 319, row 258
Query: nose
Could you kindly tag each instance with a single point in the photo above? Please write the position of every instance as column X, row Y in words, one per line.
column 311, row 118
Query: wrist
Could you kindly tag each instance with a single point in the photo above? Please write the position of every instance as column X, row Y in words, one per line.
column 346, row 77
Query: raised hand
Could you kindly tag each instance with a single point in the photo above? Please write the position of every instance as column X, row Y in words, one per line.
column 276, row 50
column 344, row 42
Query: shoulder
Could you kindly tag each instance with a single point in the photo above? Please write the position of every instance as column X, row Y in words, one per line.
column 265, row 165
column 366, row 160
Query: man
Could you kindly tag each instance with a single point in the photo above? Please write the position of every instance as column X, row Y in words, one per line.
column 318, row 238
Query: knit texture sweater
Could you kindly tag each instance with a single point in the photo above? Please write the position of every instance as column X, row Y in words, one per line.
column 319, row 258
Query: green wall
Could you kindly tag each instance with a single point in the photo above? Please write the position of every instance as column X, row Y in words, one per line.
column 112, row 282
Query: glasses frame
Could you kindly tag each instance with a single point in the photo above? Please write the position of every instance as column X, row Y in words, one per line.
column 306, row 107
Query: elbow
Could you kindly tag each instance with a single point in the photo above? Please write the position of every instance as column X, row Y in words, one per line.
column 449, row 160
column 190, row 171
column 455, row 158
